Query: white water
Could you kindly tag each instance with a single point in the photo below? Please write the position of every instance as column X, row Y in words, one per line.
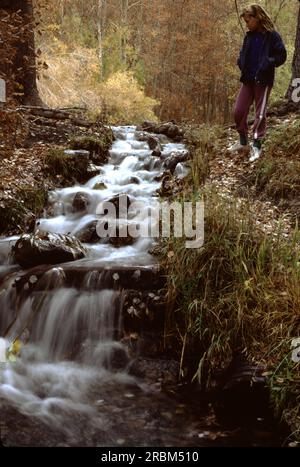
column 70, row 356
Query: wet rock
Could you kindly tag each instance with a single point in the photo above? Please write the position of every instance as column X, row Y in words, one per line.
column 106, row 276
column 172, row 131
column 30, row 220
column 162, row 139
column 143, row 311
column 151, row 163
column 167, row 185
column 118, row 359
column 121, row 202
column 241, row 393
column 141, row 136
column 80, row 202
column 155, row 146
column 157, row 152
column 99, row 186
column 164, row 372
column 46, row 248
column 135, row 180
column 169, row 129
column 92, row 171
column 88, row 234
column 158, row 178
column 91, row 233
column 120, row 135
column 171, row 162
column 119, row 241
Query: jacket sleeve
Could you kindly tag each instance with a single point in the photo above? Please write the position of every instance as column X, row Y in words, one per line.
column 239, row 60
column 278, row 54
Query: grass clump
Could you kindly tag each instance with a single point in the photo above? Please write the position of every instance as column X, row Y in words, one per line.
column 278, row 178
column 12, row 215
column 203, row 143
column 34, row 198
column 284, row 139
column 239, row 294
column 16, row 211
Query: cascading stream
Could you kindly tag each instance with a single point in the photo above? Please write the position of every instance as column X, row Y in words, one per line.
column 71, row 361
column 71, row 383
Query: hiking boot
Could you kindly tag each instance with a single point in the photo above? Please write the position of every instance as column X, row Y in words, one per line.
column 238, row 147
column 255, row 153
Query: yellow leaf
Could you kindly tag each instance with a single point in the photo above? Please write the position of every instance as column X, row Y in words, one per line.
column 13, row 351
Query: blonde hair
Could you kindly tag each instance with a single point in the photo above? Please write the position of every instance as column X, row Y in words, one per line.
column 258, row 12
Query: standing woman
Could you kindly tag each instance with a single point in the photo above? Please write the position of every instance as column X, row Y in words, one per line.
column 262, row 51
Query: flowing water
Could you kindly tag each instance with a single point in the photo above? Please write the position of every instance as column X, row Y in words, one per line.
column 71, row 385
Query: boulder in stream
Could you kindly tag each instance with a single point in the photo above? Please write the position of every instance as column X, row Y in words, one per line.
column 155, row 146
column 169, row 129
column 121, row 203
column 88, row 233
column 171, row 162
column 46, row 248
column 80, row 202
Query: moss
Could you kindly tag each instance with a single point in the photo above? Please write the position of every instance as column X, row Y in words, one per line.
column 69, row 167
column 98, row 146
column 99, row 186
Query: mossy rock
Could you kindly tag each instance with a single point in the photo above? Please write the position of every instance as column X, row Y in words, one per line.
column 70, row 167
column 99, row 186
column 98, row 146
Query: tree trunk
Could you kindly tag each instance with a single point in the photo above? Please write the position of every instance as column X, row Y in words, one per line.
column 124, row 23
column 101, row 22
column 296, row 62
column 22, row 68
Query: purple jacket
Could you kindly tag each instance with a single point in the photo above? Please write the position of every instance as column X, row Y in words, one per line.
column 273, row 54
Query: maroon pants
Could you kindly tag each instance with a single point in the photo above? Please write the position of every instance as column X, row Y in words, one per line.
column 248, row 93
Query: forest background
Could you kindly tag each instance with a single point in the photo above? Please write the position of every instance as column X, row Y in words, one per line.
column 131, row 60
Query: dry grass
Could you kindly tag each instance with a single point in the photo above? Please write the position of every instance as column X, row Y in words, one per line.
column 238, row 294
column 203, row 143
column 276, row 176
